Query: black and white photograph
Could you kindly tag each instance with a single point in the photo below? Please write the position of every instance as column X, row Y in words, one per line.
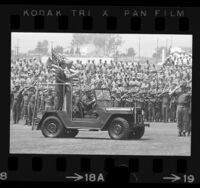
column 101, row 94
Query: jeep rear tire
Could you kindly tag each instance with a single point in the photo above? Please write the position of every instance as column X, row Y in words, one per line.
column 119, row 129
column 52, row 127
column 70, row 133
column 137, row 133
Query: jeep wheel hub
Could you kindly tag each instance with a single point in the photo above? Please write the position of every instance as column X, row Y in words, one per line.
column 52, row 128
column 117, row 129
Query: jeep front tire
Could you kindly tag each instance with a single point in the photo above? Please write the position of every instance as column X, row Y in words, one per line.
column 119, row 129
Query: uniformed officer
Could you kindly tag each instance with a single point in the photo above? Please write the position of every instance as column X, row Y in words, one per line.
column 88, row 101
column 150, row 110
column 26, row 97
column 17, row 108
column 153, row 101
column 15, row 105
column 11, row 98
column 63, row 75
column 78, row 109
column 183, row 111
column 165, row 107
column 157, row 110
column 31, row 105
column 49, row 101
column 173, row 106
column 190, row 117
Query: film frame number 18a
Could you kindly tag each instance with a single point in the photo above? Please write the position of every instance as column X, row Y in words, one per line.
column 100, row 94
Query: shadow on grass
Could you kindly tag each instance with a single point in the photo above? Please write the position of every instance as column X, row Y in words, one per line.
column 97, row 138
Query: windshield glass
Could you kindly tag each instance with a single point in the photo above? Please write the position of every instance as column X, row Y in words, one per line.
column 103, row 94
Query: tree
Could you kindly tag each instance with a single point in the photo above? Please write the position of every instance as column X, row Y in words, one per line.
column 78, row 51
column 41, row 48
column 72, row 51
column 104, row 43
column 131, row 52
column 58, row 49
column 79, row 39
column 113, row 42
column 158, row 52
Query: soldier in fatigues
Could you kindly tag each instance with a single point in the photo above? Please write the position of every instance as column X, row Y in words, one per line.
column 190, row 118
column 61, row 78
column 63, row 75
column 31, row 105
column 49, row 101
column 173, row 105
column 26, row 97
column 183, row 111
column 11, row 99
column 157, row 109
column 17, row 108
column 165, row 107
column 153, row 100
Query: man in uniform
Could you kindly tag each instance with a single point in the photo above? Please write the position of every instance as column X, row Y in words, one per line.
column 31, row 105
column 190, row 116
column 153, row 101
column 17, row 108
column 182, row 113
column 165, row 107
column 89, row 102
column 26, row 97
column 49, row 101
column 173, row 105
column 61, row 78
column 15, row 105
column 11, row 98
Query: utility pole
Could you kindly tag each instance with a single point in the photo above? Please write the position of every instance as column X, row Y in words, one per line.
column 166, row 43
column 39, row 49
column 157, row 51
column 171, row 41
column 17, row 48
column 51, row 44
column 51, row 47
column 139, row 47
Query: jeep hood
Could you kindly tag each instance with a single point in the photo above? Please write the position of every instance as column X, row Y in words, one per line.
column 119, row 109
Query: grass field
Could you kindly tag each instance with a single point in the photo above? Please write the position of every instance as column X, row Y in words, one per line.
column 159, row 139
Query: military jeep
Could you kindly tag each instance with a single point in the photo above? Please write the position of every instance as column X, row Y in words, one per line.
column 120, row 122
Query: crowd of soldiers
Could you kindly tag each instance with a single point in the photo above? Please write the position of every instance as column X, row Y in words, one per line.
column 155, row 89
column 24, row 104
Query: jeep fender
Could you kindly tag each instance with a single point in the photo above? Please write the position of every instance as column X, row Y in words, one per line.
column 62, row 116
column 128, row 117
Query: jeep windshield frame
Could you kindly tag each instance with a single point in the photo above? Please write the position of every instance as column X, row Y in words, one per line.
column 102, row 94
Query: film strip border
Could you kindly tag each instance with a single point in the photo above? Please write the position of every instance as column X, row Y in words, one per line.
column 101, row 169
column 103, row 19
column 117, row 168
column 110, row 24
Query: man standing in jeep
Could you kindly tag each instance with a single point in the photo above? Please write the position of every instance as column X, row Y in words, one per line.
column 63, row 74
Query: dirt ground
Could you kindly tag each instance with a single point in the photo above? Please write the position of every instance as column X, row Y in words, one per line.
column 159, row 139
